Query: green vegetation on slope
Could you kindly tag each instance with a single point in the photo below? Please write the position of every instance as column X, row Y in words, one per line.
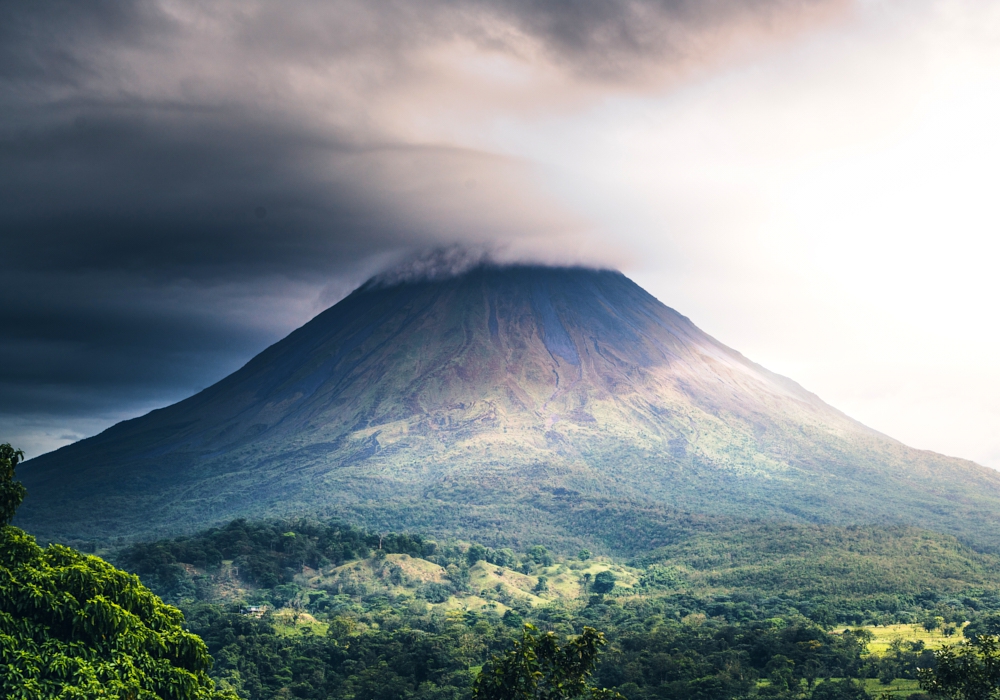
column 73, row 626
column 708, row 616
column 539, row 667
column 507, row 405
column 865, row 573
column 377, row 648
column 835, row 576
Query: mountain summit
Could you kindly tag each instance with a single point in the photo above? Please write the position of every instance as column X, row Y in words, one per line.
column 517, row 399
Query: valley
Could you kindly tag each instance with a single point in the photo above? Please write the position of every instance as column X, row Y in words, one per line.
column 895, row 596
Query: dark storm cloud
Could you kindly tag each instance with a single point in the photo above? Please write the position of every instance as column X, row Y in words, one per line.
column 624, row 40
column 181, row 184
column 141, row 193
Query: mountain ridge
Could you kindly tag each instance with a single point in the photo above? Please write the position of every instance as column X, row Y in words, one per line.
column 458, row 402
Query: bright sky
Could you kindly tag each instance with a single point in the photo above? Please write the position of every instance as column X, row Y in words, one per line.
column 829, row 209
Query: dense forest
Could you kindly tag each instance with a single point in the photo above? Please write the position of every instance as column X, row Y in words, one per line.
column 73, row 626
column 323, row 609
column 300, row 608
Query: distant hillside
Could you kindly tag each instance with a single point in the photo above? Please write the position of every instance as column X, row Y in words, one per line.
column 755, row 571
column 317, row 609
column 511, row 404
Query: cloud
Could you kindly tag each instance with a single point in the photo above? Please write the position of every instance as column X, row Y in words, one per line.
column 182, row 183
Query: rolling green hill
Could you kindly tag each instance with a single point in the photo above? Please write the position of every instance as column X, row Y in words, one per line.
column 714, row 615
column 749, row 571
column 511, row 404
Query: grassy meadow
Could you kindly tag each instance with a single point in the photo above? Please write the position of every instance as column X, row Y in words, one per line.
column 887, row 635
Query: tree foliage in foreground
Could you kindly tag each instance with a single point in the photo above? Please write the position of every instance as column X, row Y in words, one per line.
column 74, row 627
column 538, row 667
column 11, row 492
column 970, row 672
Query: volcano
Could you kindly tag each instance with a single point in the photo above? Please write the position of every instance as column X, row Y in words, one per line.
column 532, row 401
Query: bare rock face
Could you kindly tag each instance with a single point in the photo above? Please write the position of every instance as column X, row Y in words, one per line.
column 505, row 403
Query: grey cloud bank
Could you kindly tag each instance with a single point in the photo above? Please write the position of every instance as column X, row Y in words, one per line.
column 140, row 144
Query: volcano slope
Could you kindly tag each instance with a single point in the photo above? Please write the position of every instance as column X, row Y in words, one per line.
column 506, row 404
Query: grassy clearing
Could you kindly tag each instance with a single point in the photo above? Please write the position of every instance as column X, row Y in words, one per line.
column 899, row 688
column 292, row 623
column 514, row 583
column 469, row 602
column 567, row 580
column 885, row 635
column 564, row 581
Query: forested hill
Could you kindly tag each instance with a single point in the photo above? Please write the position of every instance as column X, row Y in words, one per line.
column 524, row 400
column 325, row 610
column 850, row 575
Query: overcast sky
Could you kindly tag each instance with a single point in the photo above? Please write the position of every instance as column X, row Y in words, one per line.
column 813, row 182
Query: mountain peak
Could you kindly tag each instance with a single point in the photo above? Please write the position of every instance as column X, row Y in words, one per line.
column 431, row 265
column 442, row 263
column 461, row 394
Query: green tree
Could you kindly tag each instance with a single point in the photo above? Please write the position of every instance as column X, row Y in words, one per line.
column 11, row 492
column 512, row 618
column 970, row 672
column 540, row 668
column 540, row 555
column 823, row 616
column 73, row 626
column 862, row 637
column 781, row 672
column 475, row 553
column 812, row 670
column 840, row 690
column 604, row 582
column 985, row 624
column 932, row 622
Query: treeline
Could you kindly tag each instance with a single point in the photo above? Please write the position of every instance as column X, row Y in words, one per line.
column 398, row 652
column 833, row 576
column 271, row 553
column 390, row 651
column 836, row 575
column 266, row 553
column 693, row 621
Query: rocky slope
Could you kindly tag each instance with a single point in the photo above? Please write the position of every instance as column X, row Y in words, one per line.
column 509, row 402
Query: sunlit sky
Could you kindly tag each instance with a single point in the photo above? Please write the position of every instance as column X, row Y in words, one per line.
column 812, row 183
column 829, row 209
